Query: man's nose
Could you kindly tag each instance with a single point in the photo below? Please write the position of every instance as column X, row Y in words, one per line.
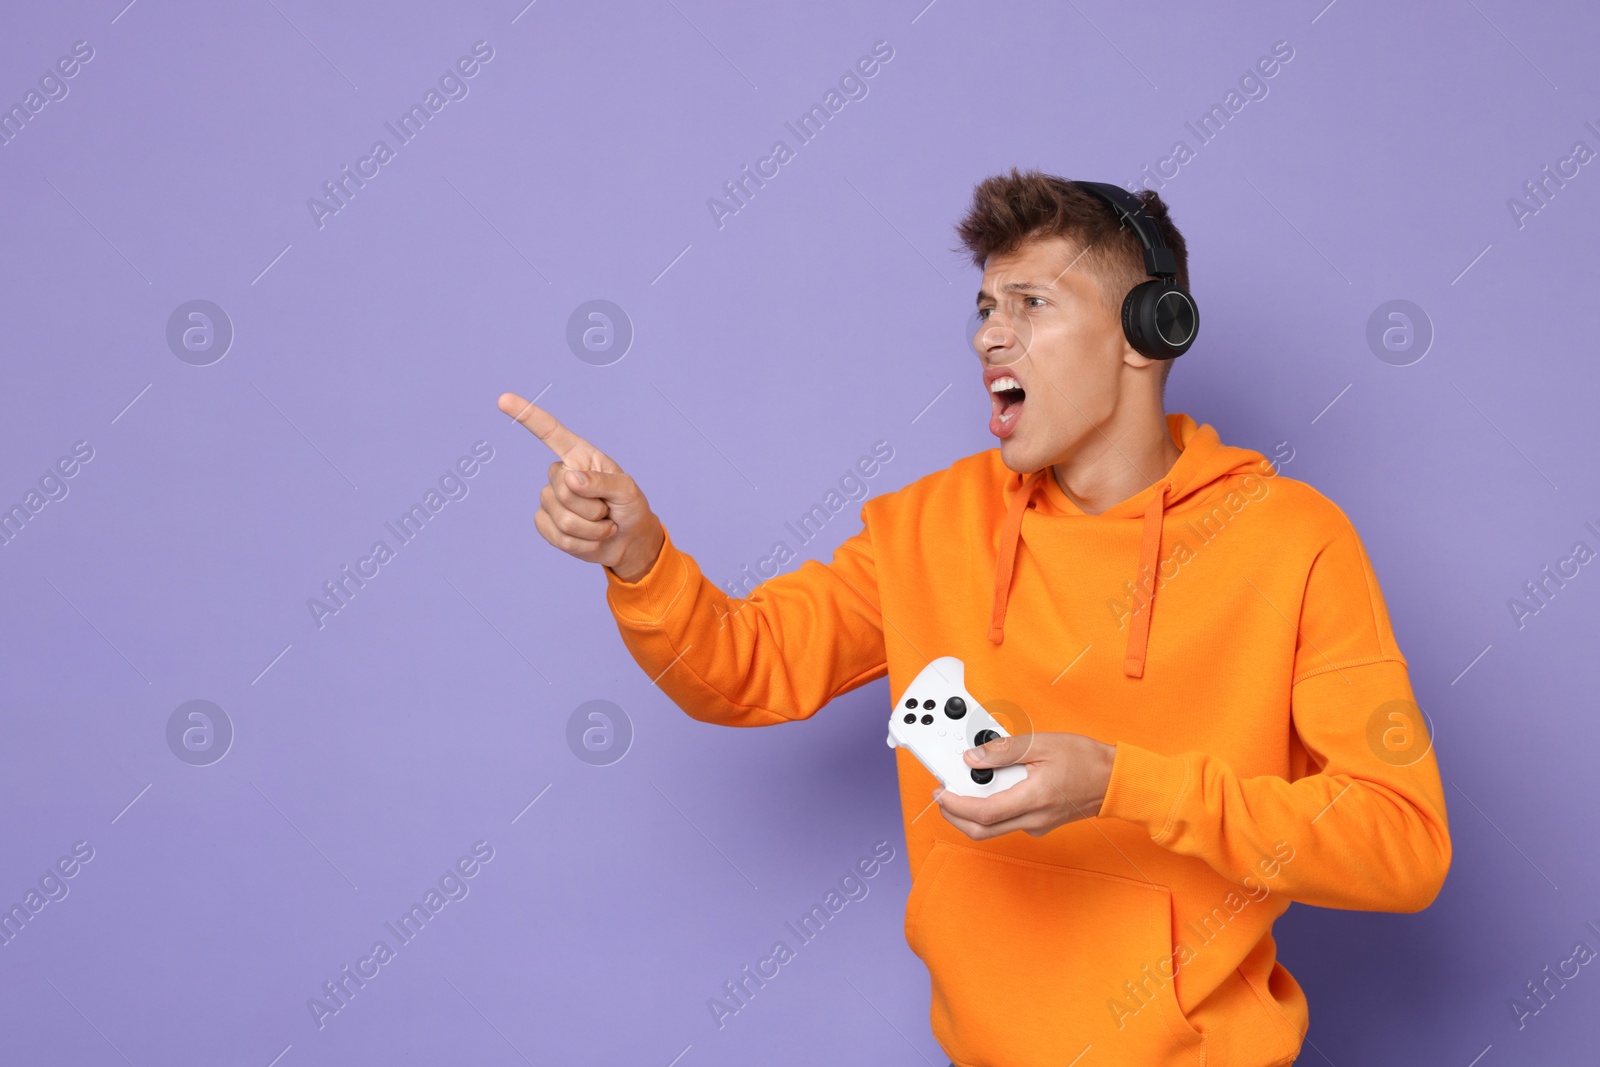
column 988, row 333
column 998, row 343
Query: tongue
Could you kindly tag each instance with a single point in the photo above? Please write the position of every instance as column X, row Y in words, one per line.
column 999, row 424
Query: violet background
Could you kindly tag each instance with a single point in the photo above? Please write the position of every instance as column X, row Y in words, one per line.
column 768, row 355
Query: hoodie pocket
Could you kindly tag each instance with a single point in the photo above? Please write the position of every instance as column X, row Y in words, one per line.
column 1032, row 963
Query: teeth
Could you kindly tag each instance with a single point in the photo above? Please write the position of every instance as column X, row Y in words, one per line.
column 1000, row 385
column 1008, row 416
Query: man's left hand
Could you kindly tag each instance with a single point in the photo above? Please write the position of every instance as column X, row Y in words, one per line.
column 1067, row 779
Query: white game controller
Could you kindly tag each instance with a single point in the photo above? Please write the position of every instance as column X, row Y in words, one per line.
column 937, row 719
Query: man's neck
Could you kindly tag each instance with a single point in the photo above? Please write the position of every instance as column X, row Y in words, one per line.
column 1118, row 459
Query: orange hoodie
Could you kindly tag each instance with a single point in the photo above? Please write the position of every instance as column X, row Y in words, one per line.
column 1223, row 627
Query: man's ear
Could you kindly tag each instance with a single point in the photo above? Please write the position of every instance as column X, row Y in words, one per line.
column 1132, row 357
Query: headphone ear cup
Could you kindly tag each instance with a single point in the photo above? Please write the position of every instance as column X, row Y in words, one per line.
column 1160, row 319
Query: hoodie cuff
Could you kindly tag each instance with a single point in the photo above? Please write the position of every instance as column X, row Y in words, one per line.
column 647, row 601
column 1146, row 789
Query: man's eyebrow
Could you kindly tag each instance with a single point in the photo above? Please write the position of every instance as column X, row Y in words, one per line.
column 1017, row 287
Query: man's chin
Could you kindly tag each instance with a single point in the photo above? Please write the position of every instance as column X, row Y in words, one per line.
column 1017, row 456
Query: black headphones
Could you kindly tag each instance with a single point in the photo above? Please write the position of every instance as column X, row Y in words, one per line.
column 1159, row 317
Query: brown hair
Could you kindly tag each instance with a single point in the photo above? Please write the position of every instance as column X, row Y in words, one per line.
column 1008, row 209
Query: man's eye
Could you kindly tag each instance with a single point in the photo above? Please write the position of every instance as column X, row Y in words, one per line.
column 983, row 313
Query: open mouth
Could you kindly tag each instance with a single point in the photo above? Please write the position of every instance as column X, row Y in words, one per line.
column 1006, row 395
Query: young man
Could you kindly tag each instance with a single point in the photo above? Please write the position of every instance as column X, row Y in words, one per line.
column 1192, row 654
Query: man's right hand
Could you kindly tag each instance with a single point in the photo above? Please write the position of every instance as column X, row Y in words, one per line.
column 590, row 509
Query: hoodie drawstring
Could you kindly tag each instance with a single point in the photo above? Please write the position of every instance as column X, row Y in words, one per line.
column 1006, row 560
column 1149, row 554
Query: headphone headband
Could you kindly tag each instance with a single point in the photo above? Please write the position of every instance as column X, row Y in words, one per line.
column 1158, row 258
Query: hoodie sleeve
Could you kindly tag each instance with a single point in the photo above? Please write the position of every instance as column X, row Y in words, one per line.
column 799, row 640
column 1363, row 813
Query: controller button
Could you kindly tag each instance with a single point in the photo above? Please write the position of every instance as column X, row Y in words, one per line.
column 927, row 720
column 984, row 737
column 955, row 707
column 983, row 775
column 927, row 705
column 912, row 702
column 910, row 718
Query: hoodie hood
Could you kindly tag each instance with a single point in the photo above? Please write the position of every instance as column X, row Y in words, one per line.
column 1204, row 461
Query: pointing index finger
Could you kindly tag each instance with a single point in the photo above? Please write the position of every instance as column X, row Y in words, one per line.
column 543, row 425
